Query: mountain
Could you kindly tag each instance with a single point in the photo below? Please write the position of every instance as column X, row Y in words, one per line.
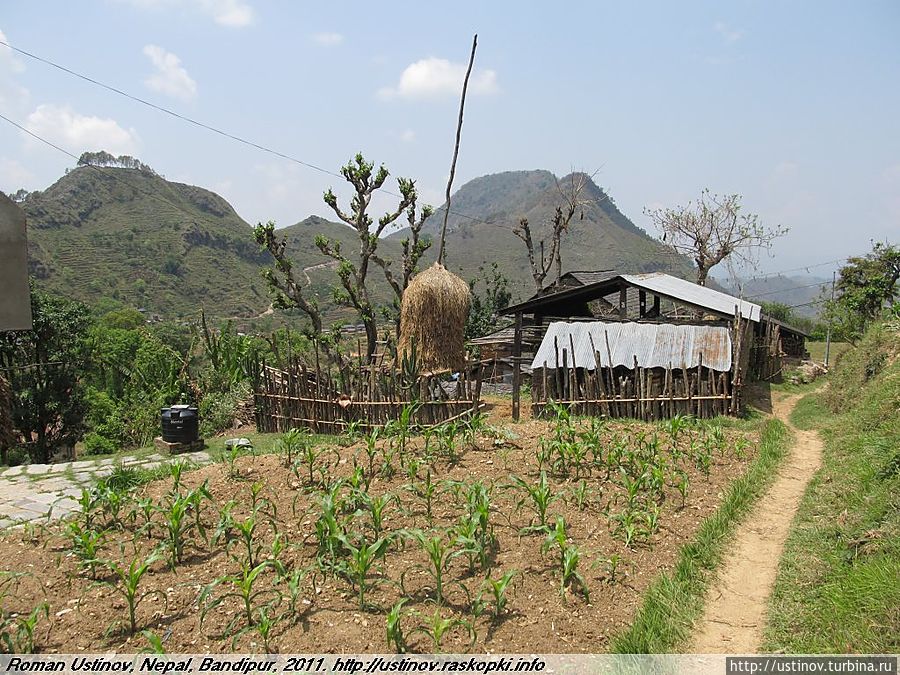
column 484, row 212
column 130, row 235
column 127, row 233
column 801, row 292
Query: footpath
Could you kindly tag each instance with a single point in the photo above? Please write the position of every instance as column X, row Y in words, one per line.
column 48, row 491
column 736, row 604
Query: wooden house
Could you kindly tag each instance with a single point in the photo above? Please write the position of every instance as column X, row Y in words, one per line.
column 757, row 341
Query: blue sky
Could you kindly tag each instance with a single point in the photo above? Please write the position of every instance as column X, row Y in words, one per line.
column 796, row 106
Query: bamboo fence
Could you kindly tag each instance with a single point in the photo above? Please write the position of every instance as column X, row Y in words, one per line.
column 367, row 397
column 642, row 393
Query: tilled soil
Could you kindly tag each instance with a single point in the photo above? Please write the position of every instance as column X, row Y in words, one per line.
column 87, row 616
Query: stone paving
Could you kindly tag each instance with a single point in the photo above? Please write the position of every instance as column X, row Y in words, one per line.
column 49, row 491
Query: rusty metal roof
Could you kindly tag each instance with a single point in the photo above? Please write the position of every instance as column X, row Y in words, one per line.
column 655, row 345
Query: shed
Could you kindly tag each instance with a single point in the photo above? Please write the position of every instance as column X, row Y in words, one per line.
column 629, row 369
column 656, row 297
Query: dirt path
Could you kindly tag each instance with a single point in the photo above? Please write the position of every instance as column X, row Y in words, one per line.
column 735, row 613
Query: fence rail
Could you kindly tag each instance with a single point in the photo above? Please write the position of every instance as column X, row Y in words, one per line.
column 367, row 398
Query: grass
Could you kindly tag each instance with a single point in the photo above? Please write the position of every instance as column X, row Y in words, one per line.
column 810, row 412
column 817, row 351
column 675, row 600
column 837, row 588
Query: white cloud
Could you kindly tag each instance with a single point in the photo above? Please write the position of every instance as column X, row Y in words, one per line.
column 230, row 13
column 14, row 175
column 729, row 34
column 13, row 96
column 433, row 77
column 77, row 133
column 408, row 136
column 170, row 77
column 328, row 39
column 785, row 170
column 8, row 60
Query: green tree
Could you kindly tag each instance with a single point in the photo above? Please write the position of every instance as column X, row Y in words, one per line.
column 44, row 368
column 485, row 308
column 866, row 285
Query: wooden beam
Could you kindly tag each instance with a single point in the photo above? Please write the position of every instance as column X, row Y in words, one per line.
column 642, row 301
column 517, row 377
column 623, row 301
column 655, row 311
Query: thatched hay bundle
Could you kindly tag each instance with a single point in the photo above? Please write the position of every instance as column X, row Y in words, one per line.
column 433, row 317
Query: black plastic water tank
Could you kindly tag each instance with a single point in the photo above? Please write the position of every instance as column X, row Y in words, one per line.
column 180, row 424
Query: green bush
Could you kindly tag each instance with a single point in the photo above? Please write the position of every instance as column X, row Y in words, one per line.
column 95, row 444
column 218, row 409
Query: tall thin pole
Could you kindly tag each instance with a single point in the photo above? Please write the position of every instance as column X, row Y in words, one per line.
column 462, row 105
column 828, row 334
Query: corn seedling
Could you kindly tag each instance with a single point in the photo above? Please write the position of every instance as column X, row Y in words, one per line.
column 265, row 628
column 498, row 589
column 291, row 443
column 127, row 584
column 376, row 507
column 244, row 589
column 86, row 545
column 360, row 560
column 436, row 628
column 394, row 631
column 426, row 490
column 570, row 573
column 440, row 557
column 17, row 633
column 539, row 498
column 154, row 643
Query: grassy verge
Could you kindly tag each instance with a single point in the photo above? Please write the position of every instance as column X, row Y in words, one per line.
column 674, row 601
column 837, row 588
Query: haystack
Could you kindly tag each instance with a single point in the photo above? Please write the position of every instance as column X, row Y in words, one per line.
column 433, row 318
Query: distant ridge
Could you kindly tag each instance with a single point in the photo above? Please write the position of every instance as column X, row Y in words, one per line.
column 129, row 235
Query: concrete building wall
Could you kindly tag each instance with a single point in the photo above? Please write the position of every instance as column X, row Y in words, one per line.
column 15, row 299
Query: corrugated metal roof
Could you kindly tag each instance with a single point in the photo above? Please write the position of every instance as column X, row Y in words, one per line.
column 701, row 296
column 656, row 345
column 585, row 277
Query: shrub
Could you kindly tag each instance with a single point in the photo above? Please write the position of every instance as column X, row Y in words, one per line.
column 95, row 444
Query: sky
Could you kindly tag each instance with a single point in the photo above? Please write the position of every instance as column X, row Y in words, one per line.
column 795, row 106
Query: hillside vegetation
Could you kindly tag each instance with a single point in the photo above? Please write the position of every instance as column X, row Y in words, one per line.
column 135, row 237
column 837, row 587
column 129, row 235
column 485, row 211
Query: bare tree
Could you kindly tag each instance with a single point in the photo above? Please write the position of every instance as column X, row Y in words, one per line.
column 712, row 230
column 354, row 274
column 570, row 202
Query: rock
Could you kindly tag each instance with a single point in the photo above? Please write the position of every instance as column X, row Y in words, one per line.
column 238, row 443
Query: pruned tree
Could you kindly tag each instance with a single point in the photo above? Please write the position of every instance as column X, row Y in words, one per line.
column 547, row 258
column 354, row 274
column 286, row 292
column 712, row 230
column 413, row 248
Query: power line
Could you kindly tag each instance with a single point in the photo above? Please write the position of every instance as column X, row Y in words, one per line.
column 282, row 155
column 793, row 288
column 208, row 127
